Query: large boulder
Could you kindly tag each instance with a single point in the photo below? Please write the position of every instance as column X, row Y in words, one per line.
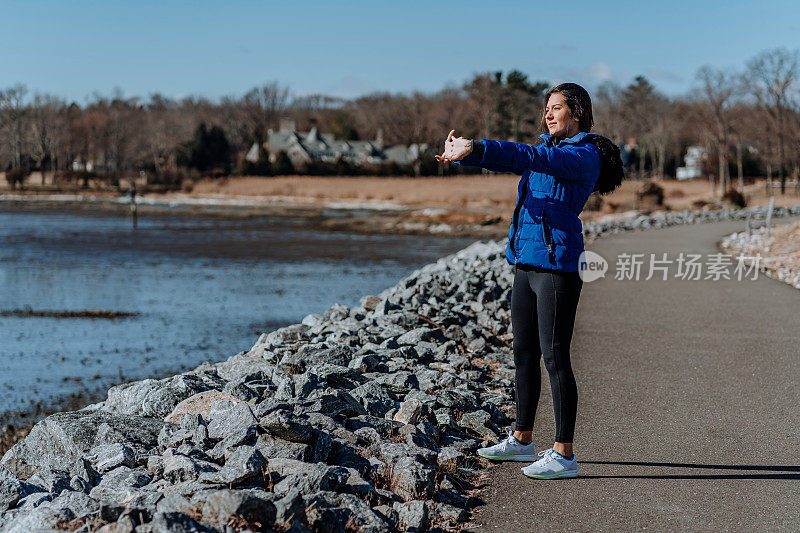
column 62, row 438
column 153, row 398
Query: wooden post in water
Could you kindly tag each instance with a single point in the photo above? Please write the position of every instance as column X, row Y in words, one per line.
column 133, row 203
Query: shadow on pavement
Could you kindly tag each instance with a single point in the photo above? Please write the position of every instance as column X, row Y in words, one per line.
column 786, row 471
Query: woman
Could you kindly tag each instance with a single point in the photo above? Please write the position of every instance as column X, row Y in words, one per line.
column 544, row 245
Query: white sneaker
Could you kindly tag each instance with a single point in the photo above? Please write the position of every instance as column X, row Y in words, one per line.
column 509, row 449
column 552, row 465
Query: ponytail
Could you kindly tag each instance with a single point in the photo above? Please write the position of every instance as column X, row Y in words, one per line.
column 611, row 171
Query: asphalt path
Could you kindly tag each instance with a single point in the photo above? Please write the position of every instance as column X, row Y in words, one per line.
column 688, row 407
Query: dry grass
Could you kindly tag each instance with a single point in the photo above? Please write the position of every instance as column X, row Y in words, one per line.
column 468, row 199
column 475, row 191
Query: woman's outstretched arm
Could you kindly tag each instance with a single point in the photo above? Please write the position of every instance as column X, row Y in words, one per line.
column 470, row 153
column 576, row 162
column 571, row 162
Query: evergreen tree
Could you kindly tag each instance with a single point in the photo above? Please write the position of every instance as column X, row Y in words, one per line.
column 209, row 149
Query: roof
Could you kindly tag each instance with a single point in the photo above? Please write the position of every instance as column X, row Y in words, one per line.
column 313, row 145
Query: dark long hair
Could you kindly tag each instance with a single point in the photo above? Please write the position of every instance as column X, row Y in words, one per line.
column 580, row 107
column 578, row 102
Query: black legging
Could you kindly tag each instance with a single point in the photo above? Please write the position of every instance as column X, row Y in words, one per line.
column 543, row 306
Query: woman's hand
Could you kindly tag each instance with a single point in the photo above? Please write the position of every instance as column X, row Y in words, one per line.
column 455, row 148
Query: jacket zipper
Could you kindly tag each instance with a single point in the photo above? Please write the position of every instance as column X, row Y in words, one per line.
column 515, row 220
column 548, row 237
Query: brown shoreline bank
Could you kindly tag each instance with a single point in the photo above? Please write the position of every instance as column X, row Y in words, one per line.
column 357, row 217
column 478, row 206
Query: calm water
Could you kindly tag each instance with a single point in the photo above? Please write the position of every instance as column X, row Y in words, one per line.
column 204, row 287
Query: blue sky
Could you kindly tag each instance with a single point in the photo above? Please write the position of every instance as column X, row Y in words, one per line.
column 179, row 48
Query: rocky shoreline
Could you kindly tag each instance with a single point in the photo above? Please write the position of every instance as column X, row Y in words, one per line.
column 359, row 419
column 776, row 253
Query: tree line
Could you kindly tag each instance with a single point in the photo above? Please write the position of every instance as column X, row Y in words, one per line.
column 748, row 119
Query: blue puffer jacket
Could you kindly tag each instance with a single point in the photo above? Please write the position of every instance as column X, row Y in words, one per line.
column 556, row 182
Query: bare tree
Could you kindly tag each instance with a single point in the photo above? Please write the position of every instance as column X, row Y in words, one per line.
column 772, row 77
column 12, row 118
column 49, row 131
column 263, row 106
column 718, row 89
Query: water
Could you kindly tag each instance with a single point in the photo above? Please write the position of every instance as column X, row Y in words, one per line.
column 203, row 289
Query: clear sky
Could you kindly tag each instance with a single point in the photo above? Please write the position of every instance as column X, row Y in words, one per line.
column 179, row 48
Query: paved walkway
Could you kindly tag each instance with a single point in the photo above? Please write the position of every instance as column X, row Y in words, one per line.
column 689, row 404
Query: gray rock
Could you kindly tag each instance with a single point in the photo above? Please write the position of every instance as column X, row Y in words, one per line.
column 62, row 438
column 288, row 334
column 481, row 423
column 449, row 459
column 365, row 363
column 11, row 490
column 412, row 480
column 318, row 420
column 334, row 403
column 174, row 523
column 312, row 320
column 428, row 378
column 242, row 392
column 329, row 511
column 459, row 399
column 384, row 427
column 320, row 446
column 368, row 434
column 412, row 516
column 285, row 425
column 424, row 334
column 83, row 469
column 79, row 484
column 290, row 508
column 423, row 434
column 337, row 312
column 177, row 467
column 374, row 398
column 246, row 462
column 400, row 382
column 445, row 418
column 121, row 484
column 338, row 377
column 105, row 457
column 392, row 453
column 410, row 412
column 174, row 503
column 305, row 477
column 307, row 383
column 309, row 355
column 449, row 515
column 461, row 441
column 231, row 420
column 153, row 398
column 241, row 506
column 78, row 503
column 33, row 500
column 52, row 481
column 246, row 368
column 234, row 423
column 272, row 447
column 42, row 518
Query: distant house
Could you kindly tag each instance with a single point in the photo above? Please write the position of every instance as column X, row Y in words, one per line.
column 98, row 165
column 304, row 147
column 695, row 157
